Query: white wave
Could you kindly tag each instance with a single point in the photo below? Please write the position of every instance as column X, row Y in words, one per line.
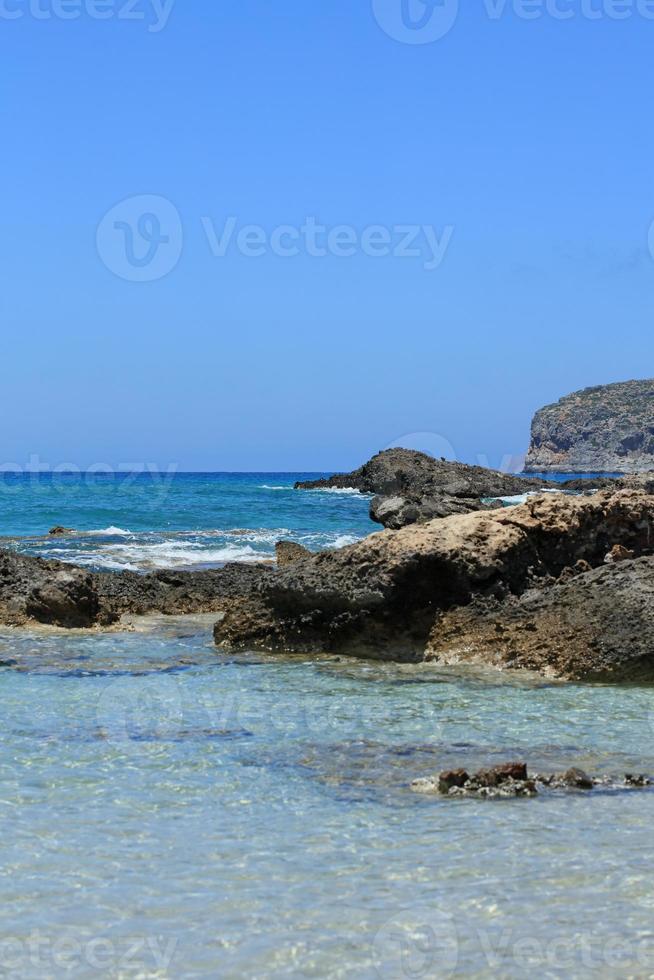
column 345, row 491
column 171, row 554
column 266, row 486
column 343, row 540
column 109, row 532
column 522, row 498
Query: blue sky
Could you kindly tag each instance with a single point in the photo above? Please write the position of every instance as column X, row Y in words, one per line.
column 531, row 140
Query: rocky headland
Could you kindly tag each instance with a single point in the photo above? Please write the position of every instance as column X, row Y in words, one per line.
column 605, row 429
column 411, row 487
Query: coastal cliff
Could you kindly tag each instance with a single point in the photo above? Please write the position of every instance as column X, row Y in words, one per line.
column 606, row 429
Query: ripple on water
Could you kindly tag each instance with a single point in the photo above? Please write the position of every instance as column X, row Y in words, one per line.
column 255, row 812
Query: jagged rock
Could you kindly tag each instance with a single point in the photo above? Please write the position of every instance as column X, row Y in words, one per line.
column 507, row 780
column 596, row 626
column 412, row 487
column 606, row 429
column 46, row 591
column 618, row 553
column 58, row 594
column 381, row 597
column 455, row 777
column 59, row 531
column 286, row 552
column 513, row 780
column 575, row 779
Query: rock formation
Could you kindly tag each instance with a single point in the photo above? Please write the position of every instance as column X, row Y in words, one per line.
column 607, row 429
column 58, row 594
column 594, row 626
column 385, row 597
column 412, row 487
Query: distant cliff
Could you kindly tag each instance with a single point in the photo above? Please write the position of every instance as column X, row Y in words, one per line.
column 608, row 429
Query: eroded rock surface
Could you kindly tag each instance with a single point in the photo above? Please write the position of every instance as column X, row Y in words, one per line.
column 59, row 594
column 593, row 626
column 383, row 596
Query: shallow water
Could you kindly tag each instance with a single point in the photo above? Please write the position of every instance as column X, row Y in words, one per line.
column 171, row 811
column 168, row 811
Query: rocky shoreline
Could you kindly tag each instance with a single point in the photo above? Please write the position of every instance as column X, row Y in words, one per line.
column 562, row 584
column 36, row 590
column 441, row 591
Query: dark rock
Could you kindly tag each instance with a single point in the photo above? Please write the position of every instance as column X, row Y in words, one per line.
column 58, row 594
column 384, row 597
column 59, row 531
column 412, row 487
column 606, row 429
column 510, row 780
column 455, row 777
column 638, row 782
column 513, row 780
column 500, row 774
column 46, row 591
column 287, row 552
column 597, row 626
column 575, row 779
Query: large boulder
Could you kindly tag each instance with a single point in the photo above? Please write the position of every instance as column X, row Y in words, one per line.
column 606, row 429
column 411, row 487
column 381, row 597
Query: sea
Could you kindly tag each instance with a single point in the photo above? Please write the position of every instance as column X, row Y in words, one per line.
column 171, row 811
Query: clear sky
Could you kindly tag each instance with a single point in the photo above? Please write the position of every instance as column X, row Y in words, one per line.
column 525, row 147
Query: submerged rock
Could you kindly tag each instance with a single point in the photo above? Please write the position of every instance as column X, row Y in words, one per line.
column 605, row 429
column 513, row 780
column 384, row 597
column 412, row 487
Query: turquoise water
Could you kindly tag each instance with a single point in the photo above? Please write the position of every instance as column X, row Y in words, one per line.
column 169, row 811
column 159, row 520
